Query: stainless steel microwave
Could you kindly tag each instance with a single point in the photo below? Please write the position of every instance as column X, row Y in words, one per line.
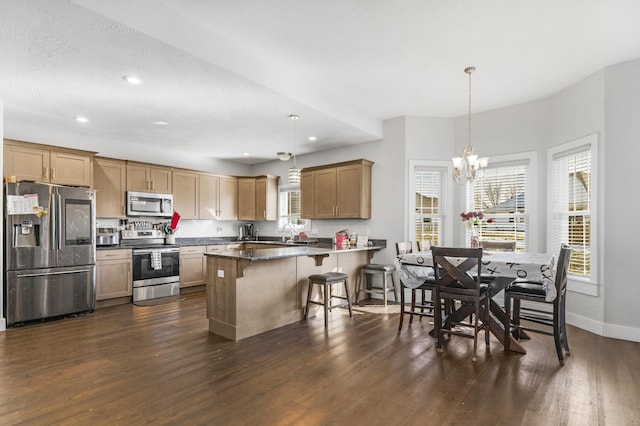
column 149, row 204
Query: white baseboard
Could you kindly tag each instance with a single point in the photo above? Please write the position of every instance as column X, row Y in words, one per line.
column 602, row 329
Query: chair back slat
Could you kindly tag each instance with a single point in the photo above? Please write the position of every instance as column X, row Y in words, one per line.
column 452, row 266
column 498, row 245
column 562, row 268
column 404, row 247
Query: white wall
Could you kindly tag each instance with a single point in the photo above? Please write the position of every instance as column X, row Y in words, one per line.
column 621, row 244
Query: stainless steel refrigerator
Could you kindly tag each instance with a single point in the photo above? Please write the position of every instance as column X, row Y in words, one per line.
column 50, row 251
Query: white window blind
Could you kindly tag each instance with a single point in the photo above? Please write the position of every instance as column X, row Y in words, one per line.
column 501, row 193
column 572, row 177
column 428, row 206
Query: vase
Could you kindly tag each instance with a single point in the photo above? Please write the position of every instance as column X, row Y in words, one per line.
column 475, row 240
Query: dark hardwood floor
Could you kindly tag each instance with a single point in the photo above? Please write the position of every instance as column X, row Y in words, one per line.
column 133, row 365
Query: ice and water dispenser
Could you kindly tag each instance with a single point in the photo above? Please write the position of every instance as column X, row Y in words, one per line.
column 26, row 233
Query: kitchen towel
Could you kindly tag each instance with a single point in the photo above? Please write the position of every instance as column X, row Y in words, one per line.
column 156, row 260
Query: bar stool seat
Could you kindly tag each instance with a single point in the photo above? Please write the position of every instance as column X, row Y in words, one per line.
column 384, row 271
column 326, row 280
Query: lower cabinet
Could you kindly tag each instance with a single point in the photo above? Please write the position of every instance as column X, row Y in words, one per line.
column 113, row 274
column 192, row 266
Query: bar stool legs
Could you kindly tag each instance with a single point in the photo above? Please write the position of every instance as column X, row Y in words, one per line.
column 383, row 270
column 326, row 281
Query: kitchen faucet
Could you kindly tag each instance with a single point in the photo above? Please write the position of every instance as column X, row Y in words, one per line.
column 293, row 232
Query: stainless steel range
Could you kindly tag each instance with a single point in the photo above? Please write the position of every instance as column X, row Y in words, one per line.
column 156, row 266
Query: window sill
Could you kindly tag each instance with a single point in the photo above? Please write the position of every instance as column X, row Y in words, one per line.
column 583, row 286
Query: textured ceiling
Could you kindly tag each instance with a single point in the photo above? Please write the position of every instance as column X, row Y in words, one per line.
column 225, row 75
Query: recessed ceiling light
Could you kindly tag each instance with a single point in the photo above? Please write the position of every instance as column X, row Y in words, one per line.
column 161, row 123
column 82, row 119
column 132, row 79
column 246, row 154
column 312, row 138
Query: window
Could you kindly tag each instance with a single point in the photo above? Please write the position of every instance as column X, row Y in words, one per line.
column 428, row 188
column 289, row 209
column 572, row 203
column 502, row 193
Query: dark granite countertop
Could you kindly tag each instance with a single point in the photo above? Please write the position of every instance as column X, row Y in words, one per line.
column 284, row 252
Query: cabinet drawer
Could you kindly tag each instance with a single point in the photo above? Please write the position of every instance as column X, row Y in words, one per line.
column 216, row 248
column 192, row 250
column 113, row 254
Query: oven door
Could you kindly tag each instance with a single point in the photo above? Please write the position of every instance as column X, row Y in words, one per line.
column 147, row 270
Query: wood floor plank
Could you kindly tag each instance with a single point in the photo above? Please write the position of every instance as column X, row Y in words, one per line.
column 130, row 365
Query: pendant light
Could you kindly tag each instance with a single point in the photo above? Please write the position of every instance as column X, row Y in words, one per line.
column 294, row 172
column 466, row 167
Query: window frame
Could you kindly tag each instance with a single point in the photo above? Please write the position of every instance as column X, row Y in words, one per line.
column 446, row 170
column 578, row 283
column 529, row 158
column 280, row 224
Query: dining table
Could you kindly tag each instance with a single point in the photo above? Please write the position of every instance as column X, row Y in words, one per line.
column 503, row 266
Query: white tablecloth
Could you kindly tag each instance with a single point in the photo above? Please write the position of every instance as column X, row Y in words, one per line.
column 413, row 268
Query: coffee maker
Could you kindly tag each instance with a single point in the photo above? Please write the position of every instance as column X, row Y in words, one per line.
column 248, row 232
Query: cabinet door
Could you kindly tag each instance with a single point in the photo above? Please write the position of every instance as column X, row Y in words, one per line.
column 26, row 163
column 267, row 198
column 208, row 196
column 228, row 198
column 160, row 180
column 185, row 197
column 113, row 274
column 109, row 180
column 138, row 178
column 325, row 193
column 307, row 195
column 192, row 266
column 349, row 191
column 247, row 199
column 71, row 169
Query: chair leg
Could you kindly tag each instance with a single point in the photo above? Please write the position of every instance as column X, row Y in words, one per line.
column 346, row 292
column 507, row 321
column 563, row 324
column 437, row 321
column 556, row 333
column 413, row 305
column 384, row 288
column 327, row 300
column 306, row 311
column 486, row 321
column 516, row 318
column 401, row 307
column 475, row 330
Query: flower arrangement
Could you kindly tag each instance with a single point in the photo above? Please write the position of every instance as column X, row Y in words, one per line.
column 473, row 219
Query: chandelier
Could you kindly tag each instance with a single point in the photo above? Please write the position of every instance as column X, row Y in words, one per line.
column 466, row 167
column 294, row 172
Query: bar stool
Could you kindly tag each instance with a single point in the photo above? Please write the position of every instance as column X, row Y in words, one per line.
column 327, row 280
column 382, row 270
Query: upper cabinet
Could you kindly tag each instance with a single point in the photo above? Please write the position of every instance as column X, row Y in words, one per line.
column 218, row 197
column 258, row 198
column 267, row 197
column 110, row 183
column 186, row 193
column 48, row 164
column 337, row 191
column 143, row 177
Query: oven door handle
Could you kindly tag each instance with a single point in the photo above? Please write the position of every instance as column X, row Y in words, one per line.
column 147, row 251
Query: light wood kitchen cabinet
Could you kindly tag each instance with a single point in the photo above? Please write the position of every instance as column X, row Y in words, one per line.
column 341, row 190
column 218, row 197
column 48, row 164
column 267, row 197
column 110, row 183
column 192, row 266
column 186, row 193
column 143, row 177
column 258, row 198
column 246, row 198
column 113, row 274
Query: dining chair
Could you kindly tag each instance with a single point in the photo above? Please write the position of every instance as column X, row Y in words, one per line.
column 424, row 245
column 500, row 245
column 427, row 285
column 453, row 282
column 533, row 291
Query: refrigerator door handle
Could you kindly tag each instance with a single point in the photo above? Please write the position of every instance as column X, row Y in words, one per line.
column 44, row 274
column 59, row 217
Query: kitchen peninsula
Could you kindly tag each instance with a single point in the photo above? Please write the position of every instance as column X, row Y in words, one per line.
column 253, row 291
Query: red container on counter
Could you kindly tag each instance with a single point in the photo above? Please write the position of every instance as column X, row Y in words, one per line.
column 340, row 237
